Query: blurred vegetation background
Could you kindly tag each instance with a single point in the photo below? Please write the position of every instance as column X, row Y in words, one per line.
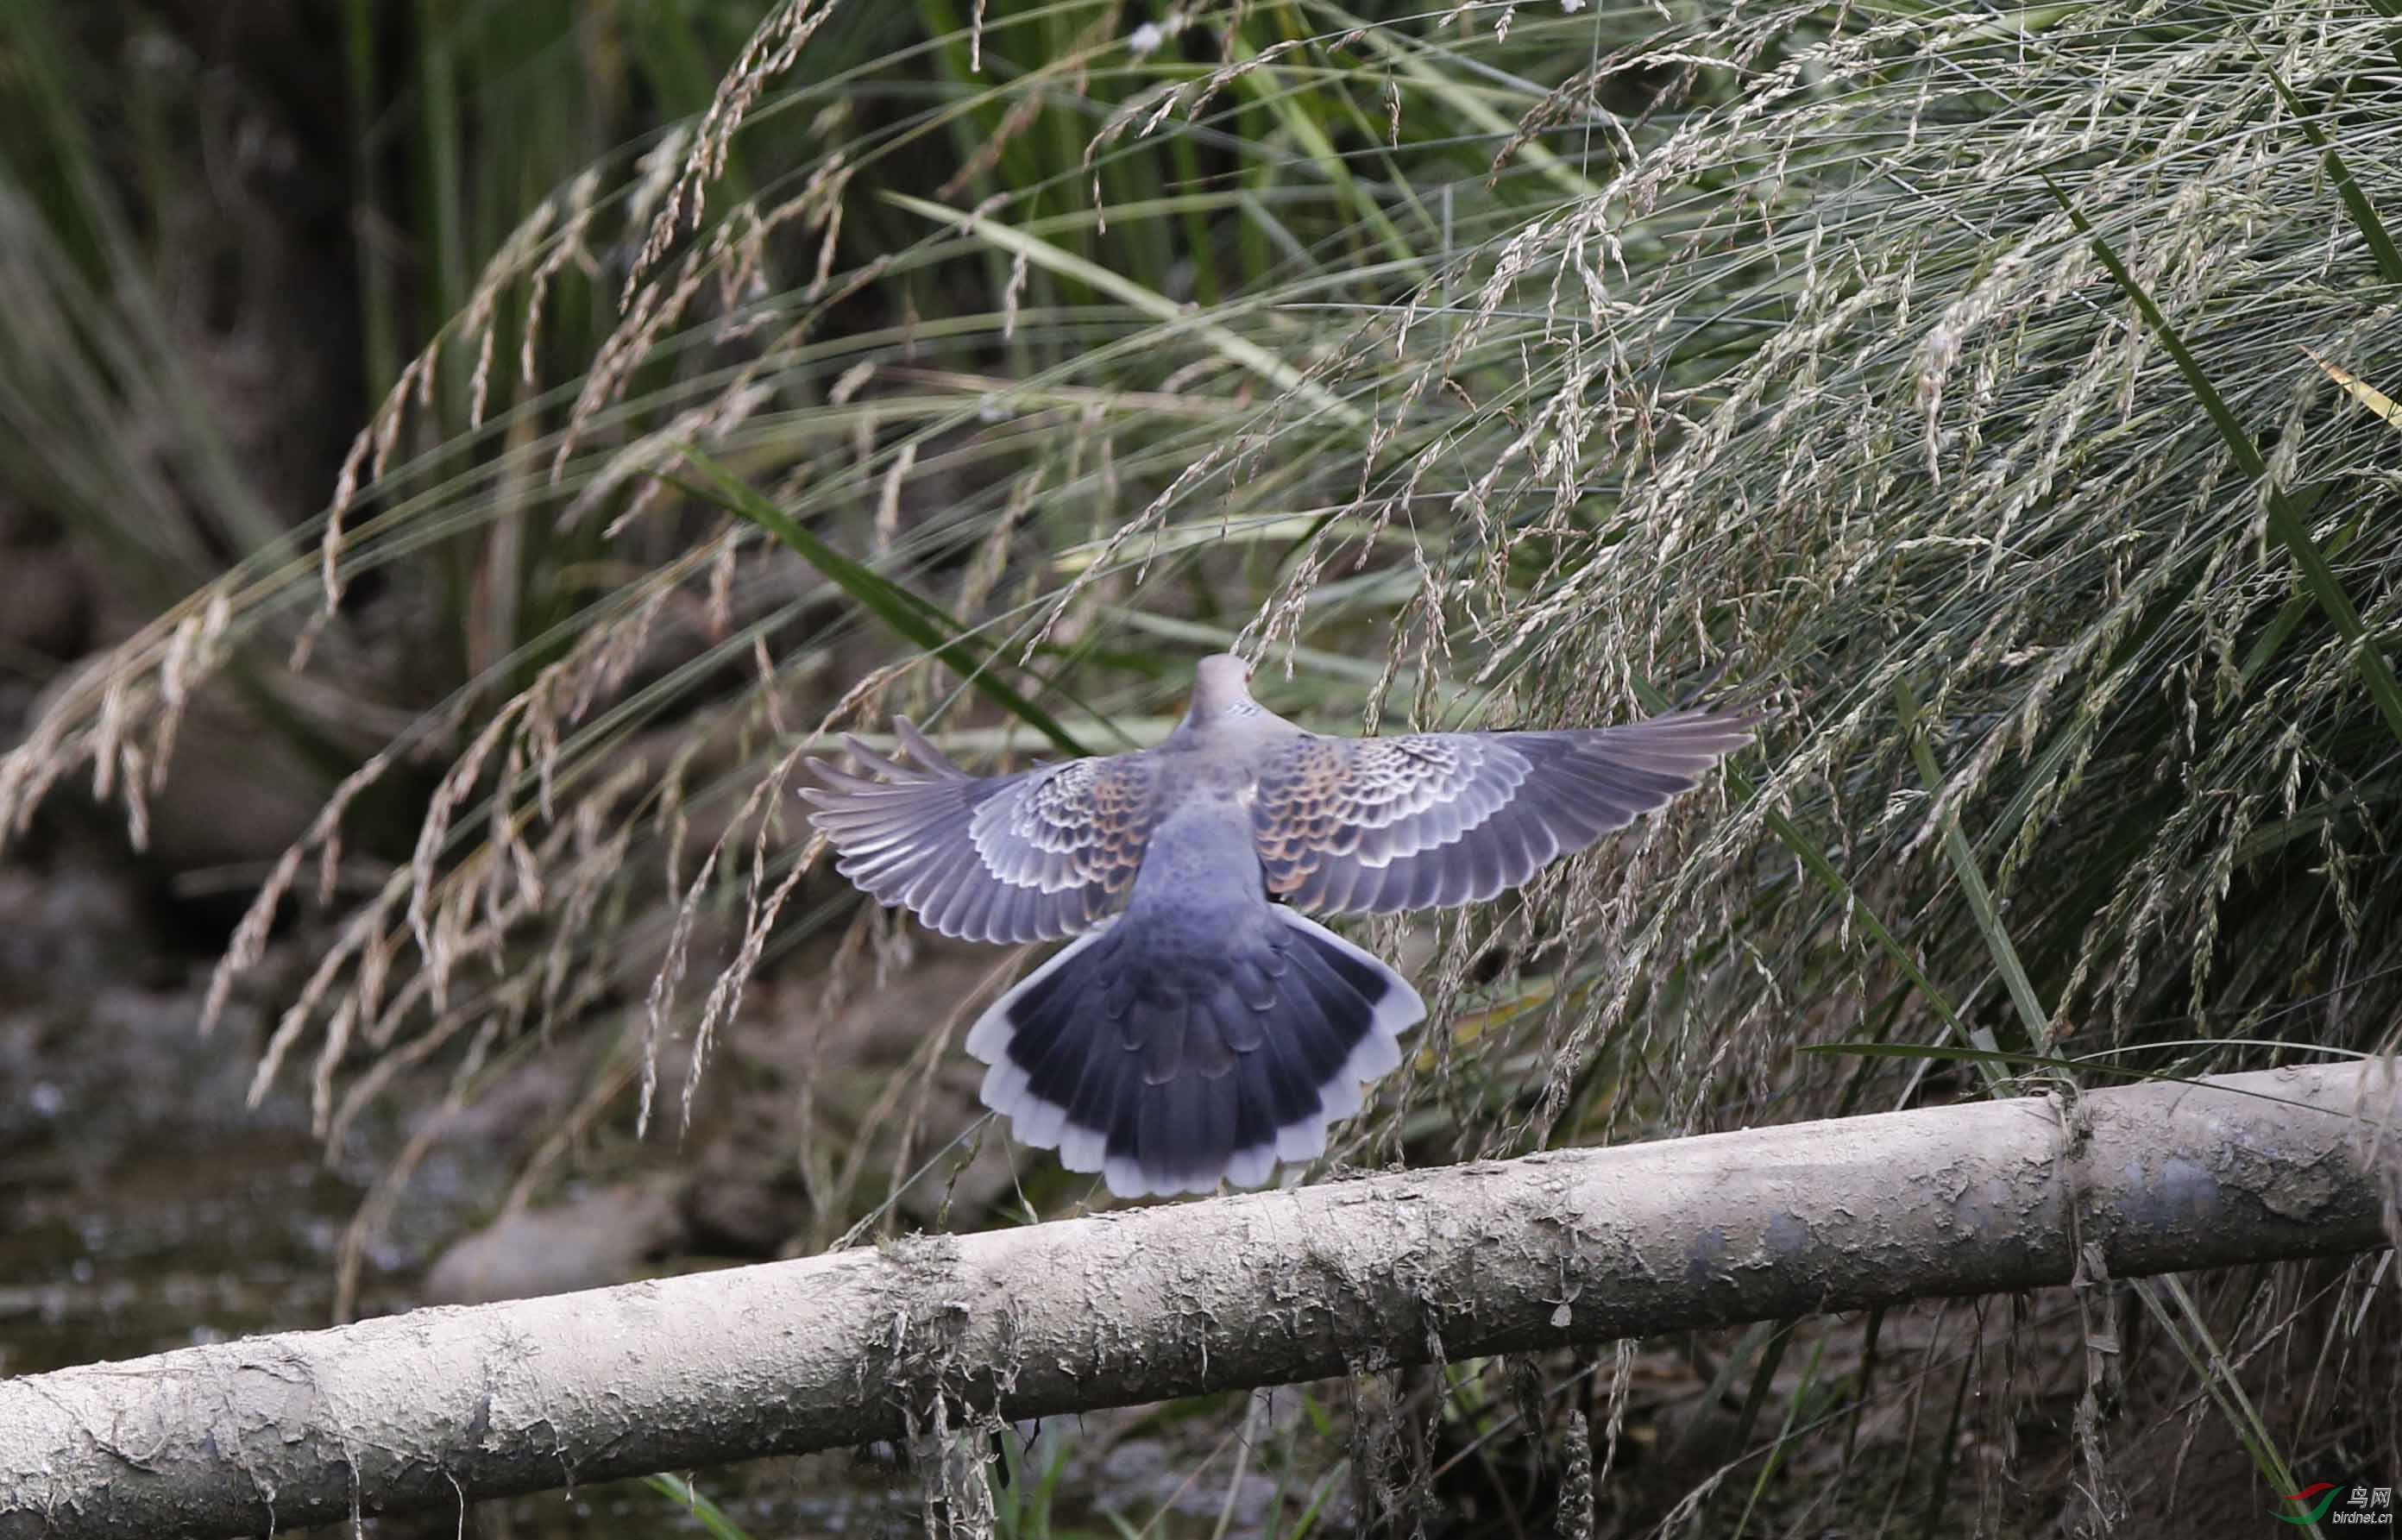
column 456, row 459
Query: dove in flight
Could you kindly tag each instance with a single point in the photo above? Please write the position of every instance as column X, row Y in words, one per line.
column 1201, row 1026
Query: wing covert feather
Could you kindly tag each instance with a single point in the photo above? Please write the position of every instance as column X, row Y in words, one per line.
column 1037, row 856
column 1432, row 820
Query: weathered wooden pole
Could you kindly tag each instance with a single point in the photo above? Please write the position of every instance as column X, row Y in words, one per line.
column 440, row 1406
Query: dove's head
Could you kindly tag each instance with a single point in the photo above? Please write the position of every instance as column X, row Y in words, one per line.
column 1222, row 686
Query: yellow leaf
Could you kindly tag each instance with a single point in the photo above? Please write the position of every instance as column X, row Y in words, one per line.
column 2361, row 391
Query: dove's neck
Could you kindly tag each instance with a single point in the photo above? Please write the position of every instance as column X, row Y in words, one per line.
column 1241, row 710
column 1233, row 723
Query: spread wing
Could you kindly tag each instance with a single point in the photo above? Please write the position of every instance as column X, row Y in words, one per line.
column 1376, row 825
column 1031, row 857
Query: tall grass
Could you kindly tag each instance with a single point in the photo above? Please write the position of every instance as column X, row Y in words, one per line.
column 1933, row 371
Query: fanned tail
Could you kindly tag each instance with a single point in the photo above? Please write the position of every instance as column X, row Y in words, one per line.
column 1166, row 1068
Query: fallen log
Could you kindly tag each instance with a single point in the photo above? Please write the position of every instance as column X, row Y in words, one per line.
column 441, row 1405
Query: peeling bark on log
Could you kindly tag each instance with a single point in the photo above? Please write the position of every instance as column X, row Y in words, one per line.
column 438, row 1406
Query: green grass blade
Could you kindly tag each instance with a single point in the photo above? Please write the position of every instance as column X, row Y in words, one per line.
column 2283, row 523
column 1783, row 1437
column 1972, row 882
column 2290, row 614
column 1861, row 1387
column 914, row 618
column 688, row 1497
column 2391, row 11
column 1294, row 113
column 1763, row 1377
column 443, row 192
column 1469, row 105
column 378, row 285
column 1947, row 1450
column 1043, row 254
column 2356, row 203
column 2219, row 1380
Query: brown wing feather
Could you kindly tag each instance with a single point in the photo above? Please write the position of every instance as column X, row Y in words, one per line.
column 1378, row 825
column 1031, row 857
